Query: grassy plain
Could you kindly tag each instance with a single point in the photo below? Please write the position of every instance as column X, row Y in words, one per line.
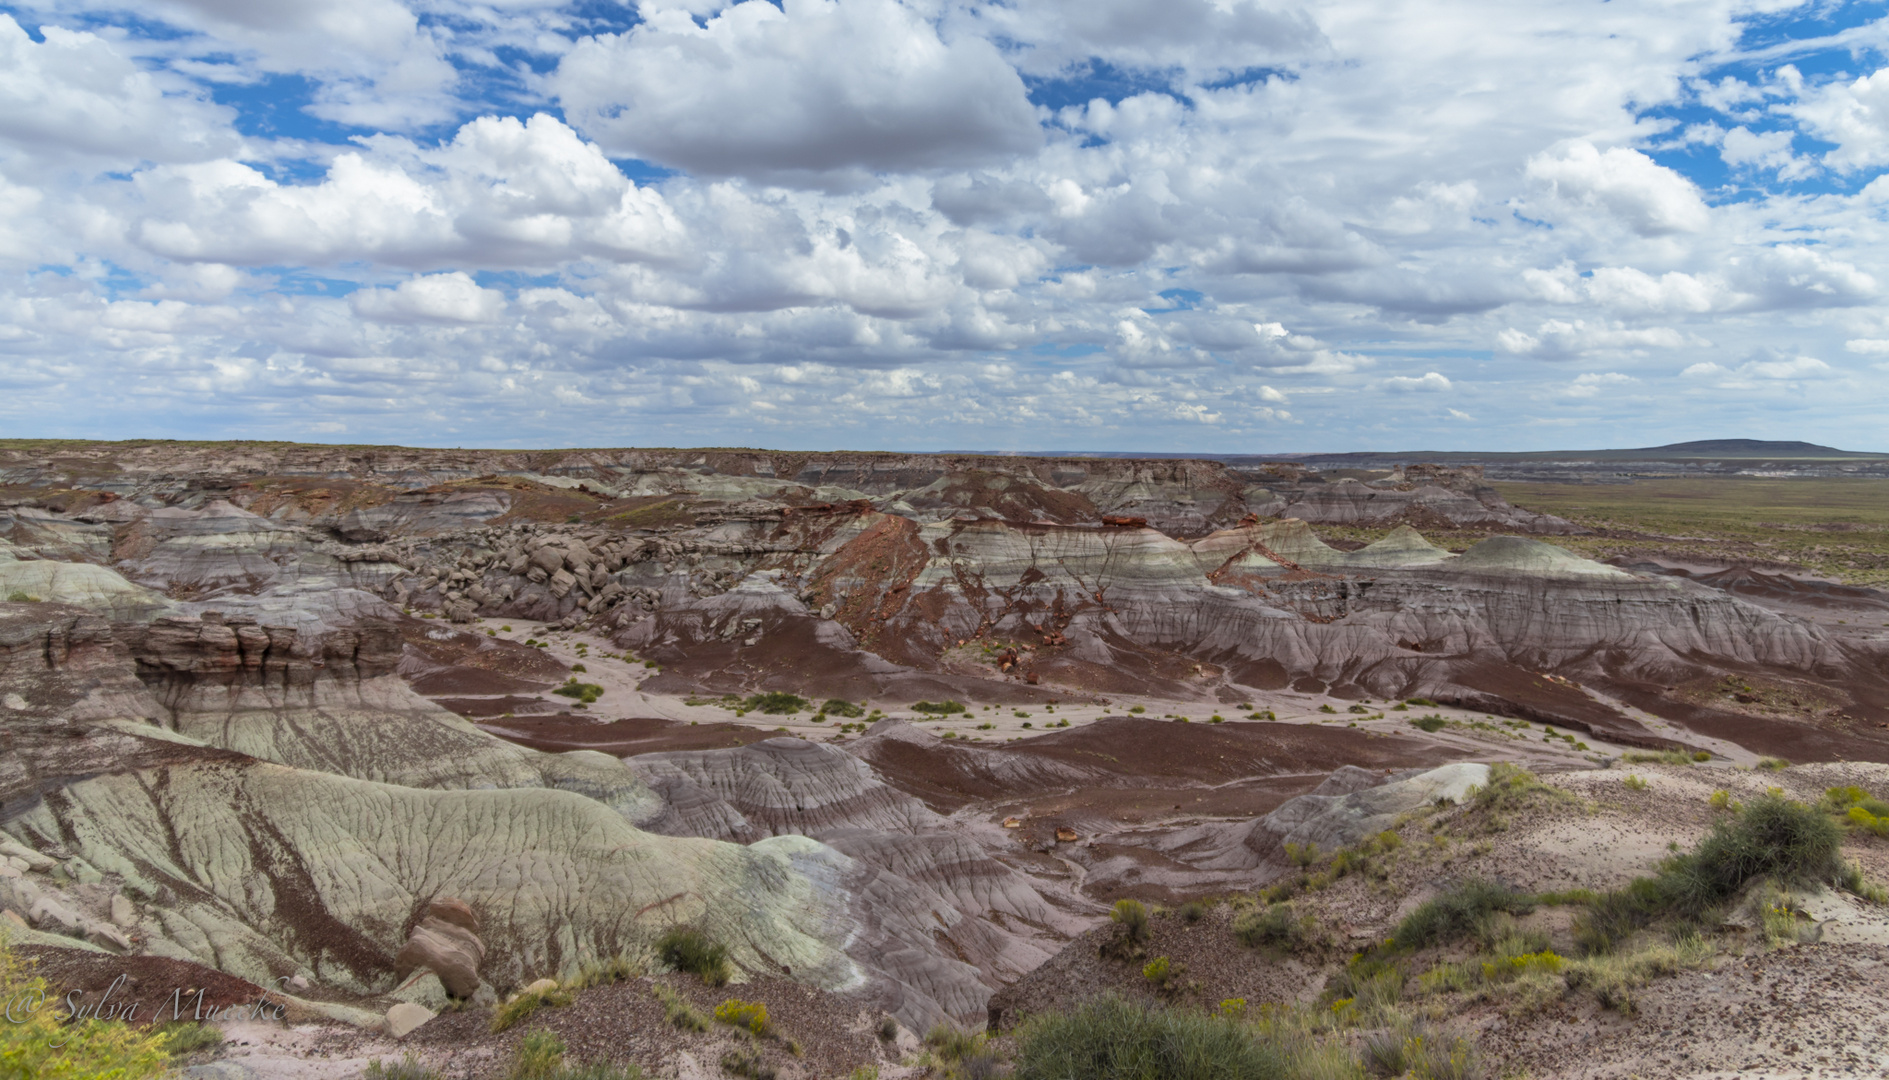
column 1836, row 528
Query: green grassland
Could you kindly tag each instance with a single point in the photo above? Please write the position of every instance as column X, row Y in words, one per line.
column 1836, row 528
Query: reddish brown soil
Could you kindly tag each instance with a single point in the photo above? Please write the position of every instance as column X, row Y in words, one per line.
column 622, row 738
column 624, row 1024
column 477, row 652
column 499, row 706
column 1132, row 748
column 149, row 983
column 1507, row 690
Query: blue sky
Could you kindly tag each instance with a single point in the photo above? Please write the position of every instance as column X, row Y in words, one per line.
column 1215, row 225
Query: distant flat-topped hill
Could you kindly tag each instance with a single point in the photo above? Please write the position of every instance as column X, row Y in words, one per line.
column 1718, row 449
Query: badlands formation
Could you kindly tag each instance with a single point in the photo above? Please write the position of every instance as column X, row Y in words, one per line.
column 399, row 734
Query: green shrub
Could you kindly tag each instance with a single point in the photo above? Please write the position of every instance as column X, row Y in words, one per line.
column 840, row 707
column 580, row 668
column 1420, row 702
column 1192, row 911
column 1461, row 910
column 1326, row 709
column 1109, row 1038
column 749, row 1016
column 1773, row 764
column 1702, row 755
column 1722, row 800
column 1792, row 844
column 938, row 708
column 1633, row 783
column 583, row 691
column 774, row 703
column 690, row 950
column 1275, row 924
column 1430, row 722
column 1132, row 915
column 1156, row 970
column 1302, row 855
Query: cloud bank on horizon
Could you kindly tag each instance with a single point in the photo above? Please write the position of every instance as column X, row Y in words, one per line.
column 1217, row 225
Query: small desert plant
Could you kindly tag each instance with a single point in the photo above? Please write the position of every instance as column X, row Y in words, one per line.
column 690, row 950
column 588, row 693
column 679, row 1011
column 1773, row 764
column 614, row 969
column 1302, row 854
column 938, row 708
column 1658, row 757
column 1326, row 709
column 1192, row 911
column 1432, row 1057
column 1858, row 809
column 1633, row 783
column 1132, row 915
column 747, row 1063
column 1156, row 970
column 748, row 1016
column 1788, row 842
column 407, row 1068
column 1458, row 912
column 839, row 707
column 952, row 1043
column 888, row 1029
column 1722, row 800
column 1430, row 722
column 1275, row 925
column 774, row 703
column 1111, row 1038
column 540, row 1056
column 526, row 1002
column 183, row 1037
column 579, row 668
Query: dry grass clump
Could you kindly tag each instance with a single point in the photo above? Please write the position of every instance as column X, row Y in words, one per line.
column 1460, row 911
column 407, row 1068
column 605, row 972
column 679, row 1011
column 1275, row 925
column 526, row 1002
column 540, row 1056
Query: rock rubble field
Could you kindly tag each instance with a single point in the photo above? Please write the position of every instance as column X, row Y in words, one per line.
column 454, row 755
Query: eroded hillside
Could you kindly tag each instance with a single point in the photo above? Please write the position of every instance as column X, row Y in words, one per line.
column 394, row 730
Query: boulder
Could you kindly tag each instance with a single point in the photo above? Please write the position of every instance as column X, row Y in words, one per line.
column 447, row 949
column 453, row 910
column 561, row 583
column 404, row 1017
column 29, row 859
column 124, row 912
